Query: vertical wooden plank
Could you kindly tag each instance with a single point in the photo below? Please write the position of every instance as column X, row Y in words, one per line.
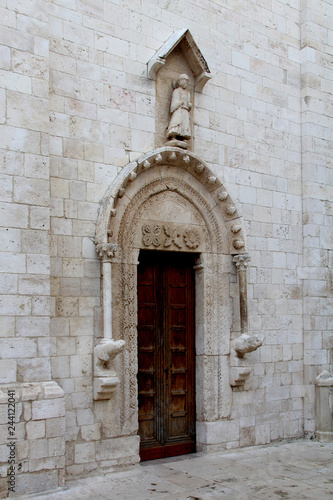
column 167, row 414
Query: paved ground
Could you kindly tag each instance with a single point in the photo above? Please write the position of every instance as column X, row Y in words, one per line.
column 296, row 470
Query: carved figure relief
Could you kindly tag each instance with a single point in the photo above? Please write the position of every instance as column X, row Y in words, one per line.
column 179, row 130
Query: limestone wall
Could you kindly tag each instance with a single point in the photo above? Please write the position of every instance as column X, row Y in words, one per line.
column 316, row 102
column 25, row 308
column 76, row 106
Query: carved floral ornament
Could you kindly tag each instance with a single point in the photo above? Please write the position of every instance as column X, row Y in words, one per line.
column 165, row 235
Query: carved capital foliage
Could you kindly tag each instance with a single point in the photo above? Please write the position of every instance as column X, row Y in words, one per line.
column 242, row 261
column 106, row 250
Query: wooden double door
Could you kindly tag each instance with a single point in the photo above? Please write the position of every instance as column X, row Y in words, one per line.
column 166, row 354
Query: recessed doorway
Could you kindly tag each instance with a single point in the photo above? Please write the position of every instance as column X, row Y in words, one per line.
column 166, row 354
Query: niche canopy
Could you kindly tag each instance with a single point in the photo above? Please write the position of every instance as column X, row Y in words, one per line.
column 191, row 53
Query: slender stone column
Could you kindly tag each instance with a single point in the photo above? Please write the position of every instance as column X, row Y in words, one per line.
column 242, row 261
column 107, row 300
column 105, row 376
column 107, row 252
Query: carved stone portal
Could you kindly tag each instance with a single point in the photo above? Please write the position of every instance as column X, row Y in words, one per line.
column 169, row 200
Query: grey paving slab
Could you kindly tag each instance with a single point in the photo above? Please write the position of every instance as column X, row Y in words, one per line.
column 288, row 470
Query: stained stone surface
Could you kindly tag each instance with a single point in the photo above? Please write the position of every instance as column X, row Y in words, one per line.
column 291, row 470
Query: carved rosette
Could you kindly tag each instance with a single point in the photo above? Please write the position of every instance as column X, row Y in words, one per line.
column 151, row 235
column 173, row 235
column 192, row 238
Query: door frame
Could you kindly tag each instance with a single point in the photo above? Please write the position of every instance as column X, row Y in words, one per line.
column 168, row 258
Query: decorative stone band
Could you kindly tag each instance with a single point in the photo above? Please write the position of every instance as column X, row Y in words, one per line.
column 167, row 235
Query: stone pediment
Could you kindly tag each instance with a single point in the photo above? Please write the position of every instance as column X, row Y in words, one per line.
column 191, row 52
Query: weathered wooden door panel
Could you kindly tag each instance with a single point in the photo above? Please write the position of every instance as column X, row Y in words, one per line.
column 166, row 357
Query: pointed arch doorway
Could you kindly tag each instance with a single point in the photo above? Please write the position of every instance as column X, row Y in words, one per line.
column 166, row 354
column 170, row 201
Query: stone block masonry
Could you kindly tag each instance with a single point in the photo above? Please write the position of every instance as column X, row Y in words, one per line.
column 34, row 425
column 76, row 107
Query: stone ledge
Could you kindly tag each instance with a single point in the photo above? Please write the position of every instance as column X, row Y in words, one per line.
column 31, row 391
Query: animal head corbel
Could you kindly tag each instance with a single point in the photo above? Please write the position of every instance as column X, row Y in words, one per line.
column 105, row 352
column 247, row 343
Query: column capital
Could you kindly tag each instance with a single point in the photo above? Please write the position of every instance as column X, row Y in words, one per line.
column 106, row 251
column 241, row 261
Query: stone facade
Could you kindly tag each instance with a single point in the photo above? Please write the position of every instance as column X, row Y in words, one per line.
column 85, row 92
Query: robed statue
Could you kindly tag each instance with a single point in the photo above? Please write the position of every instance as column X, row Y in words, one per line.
column 179, row 126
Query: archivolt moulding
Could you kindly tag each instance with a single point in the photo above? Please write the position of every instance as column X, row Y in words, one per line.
column 107, row 232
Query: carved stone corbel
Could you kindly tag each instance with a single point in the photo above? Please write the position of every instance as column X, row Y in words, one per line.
column 240, row 371
column 105, row 377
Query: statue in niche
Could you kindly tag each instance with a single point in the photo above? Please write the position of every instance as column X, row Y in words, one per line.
column 179, row 130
